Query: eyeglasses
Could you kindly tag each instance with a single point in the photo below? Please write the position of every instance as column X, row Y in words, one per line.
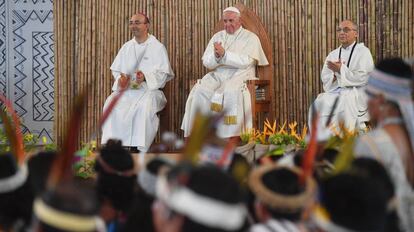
column 136, row 23
column 345, row 29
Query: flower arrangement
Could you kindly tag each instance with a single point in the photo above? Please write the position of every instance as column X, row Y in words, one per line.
column 286, row 140
column 275, row 139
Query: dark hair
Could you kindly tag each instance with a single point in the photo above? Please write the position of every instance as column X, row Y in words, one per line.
column 140, row 214
column 212, row 182
column 372, row 169
column 117, row 189
column 74, row 197
column 39, row 167
column 297, row 158
column 236, row 161
column 355, row 202
column 15, row 205
column 155, row 164
column 139, row 217
column 284, row 182
column 395, row 66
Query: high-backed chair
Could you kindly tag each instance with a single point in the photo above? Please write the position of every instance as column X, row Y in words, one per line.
column 260, row 90
column 261, row 106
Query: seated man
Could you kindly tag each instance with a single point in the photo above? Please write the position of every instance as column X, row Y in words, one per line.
column 232, row 55
column 143, row 67
column 345, row 71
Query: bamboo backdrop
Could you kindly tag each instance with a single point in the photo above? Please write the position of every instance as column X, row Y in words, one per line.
column 88, row 34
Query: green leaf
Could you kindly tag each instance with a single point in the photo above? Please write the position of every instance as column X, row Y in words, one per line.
column 278, row 151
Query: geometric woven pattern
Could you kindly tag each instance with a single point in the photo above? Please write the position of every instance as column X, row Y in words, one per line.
column 3, row 40
column 29, row 81
column 43, row 107
column 19, row 92
column 31, row 1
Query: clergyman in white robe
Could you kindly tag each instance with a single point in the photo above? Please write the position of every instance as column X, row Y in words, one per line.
column 352, row 103
column 224, row 88
column 134, row 119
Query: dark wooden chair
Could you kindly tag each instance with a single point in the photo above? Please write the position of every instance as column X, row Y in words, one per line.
column 261, row 107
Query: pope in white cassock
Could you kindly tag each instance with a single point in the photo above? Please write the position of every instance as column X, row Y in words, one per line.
column 142, row 66
column 232, row 55
column 344, row 73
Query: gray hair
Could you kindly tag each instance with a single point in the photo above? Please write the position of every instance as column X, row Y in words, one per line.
column 354, row 25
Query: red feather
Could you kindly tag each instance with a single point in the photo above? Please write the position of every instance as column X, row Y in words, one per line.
column 62, row 167
column 110, row 107
column 228, row 150
column 14, row 134
column 310, row 153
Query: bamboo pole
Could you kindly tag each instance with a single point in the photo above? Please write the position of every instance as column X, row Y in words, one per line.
column 89, row 33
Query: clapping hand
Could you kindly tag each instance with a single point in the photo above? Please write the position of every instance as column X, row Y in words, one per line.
column 334, row 66
column 123, row 81
column 218, row 50
column 140, row 77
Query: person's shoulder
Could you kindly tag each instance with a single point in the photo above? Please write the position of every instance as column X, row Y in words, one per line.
column 127, row 43
column 219, row 33
column 361, row 47
column 155, row 46
column 250, row 33
column 155, row 42
column 126, row 46
column 334, row 51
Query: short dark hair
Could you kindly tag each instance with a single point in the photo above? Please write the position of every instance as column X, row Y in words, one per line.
column 395, row 66
column 212, row 182
column 76, row 197
column 17, row 204
column 39, row 166
column 118, row 189
column 285, row 182
column 354, row 201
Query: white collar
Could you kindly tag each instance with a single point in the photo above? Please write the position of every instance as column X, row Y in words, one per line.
column 235, row 33
column 349, row 47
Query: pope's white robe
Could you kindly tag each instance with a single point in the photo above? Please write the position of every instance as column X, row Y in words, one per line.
column 225, row 84
column 349, row 83
column 134, row 119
